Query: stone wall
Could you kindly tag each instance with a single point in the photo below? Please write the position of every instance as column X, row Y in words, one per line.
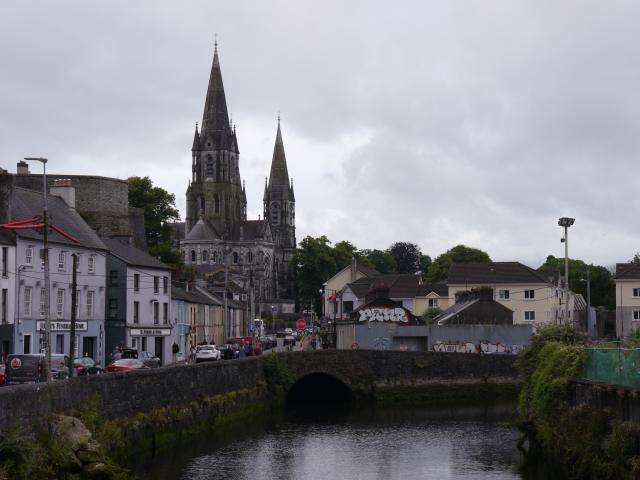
column 623, row 402
column 124, row 394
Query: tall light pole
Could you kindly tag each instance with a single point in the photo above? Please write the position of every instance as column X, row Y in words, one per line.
column 45, row 256
column 566, row 222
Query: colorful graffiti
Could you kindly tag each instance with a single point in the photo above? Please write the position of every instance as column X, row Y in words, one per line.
column 482, row 347
column 383, row 315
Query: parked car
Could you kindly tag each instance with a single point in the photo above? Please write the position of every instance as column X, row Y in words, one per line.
column 2, row 374
column 86, row 366
column 149, row 359
column 23, row 368
column 227, row 351
column 205, row 353
column 126, row 365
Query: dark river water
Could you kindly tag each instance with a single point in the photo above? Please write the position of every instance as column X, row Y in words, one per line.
column 454, row 443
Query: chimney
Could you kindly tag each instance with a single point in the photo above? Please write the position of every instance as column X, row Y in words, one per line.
column 62, row 188
column 22, row 168
column 354, row 268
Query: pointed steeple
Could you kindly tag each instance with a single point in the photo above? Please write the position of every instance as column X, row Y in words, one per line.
column 196, row 140
column 215, row 120
column 279, row 176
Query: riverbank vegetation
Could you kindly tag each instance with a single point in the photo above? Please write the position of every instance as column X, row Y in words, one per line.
column 582, row 442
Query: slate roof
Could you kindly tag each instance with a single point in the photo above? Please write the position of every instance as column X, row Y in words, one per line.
column 202, row 230
column 399, row 285
column 627, row 271
column 132, row 255
column 439, row 289
column 178, row 293
column 28, row 203
column 253, row 229
column 493, row 273
column 7, row 237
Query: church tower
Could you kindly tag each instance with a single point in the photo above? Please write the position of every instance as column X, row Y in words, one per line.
column 280, row 210
column 215, row 192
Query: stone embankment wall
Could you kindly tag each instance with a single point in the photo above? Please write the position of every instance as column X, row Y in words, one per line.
column 125, row 394
column 623, row 402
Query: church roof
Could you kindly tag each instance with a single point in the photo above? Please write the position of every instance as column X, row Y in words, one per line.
column 202, row 231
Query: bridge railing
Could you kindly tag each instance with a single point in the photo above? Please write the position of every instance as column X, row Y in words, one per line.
column 615, row 366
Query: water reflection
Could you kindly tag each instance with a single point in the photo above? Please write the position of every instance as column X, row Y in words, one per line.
column 459, row 443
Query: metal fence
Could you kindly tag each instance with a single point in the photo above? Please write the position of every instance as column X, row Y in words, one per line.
column 616, row 366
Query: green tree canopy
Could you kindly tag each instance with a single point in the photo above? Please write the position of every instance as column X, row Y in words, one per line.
column 380, row 260
column 439, row 269
column 602, row 285
column 159, row 207
column 315, row 263
column 407, row 256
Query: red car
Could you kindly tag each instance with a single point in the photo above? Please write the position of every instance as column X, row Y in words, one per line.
column 3, row 378
column 126, row 365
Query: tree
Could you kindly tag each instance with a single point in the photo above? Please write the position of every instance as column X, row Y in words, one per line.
column 425, row 265
column 407, row 256
column 343, row 253
column 314, row 261
column 380, row 260
column 602, row 285
column 159, row 207
column 636, row 258
column 439, row 269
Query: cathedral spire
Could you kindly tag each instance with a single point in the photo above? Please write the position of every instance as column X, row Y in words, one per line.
column 196, row 140
column 215, row 119
column 279, row 176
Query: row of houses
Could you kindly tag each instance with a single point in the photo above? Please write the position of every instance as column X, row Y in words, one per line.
column 124, row 296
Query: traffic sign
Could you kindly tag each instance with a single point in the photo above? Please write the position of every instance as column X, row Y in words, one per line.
column 252, row 327
column 300, row 324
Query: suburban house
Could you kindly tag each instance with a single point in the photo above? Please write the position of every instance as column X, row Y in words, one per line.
column 627, row 280
column 401, row 288
column 475, row 307
column 27, row 269
column 431, row 296
column 138, row 309
column 333, row 288
column 533, row 298
column 8, row 289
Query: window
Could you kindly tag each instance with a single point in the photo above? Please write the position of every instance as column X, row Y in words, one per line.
column 136, row 282
column 113, row 308
column 5, row 260
column 28, row 256
column 215, row 257
column 156, row 284
column 90, row 299
column 91, row 264
column 43, row 302
column 136, row 312
column 216, row 204
column 529, row 294
column 113, row 278
column 235, row 257
column 205, row 256
column 250, row 257
column 5, row 305
column 62, row 261
column 60, row 303
column 503, row 294
column 193, row 255
column 156, row 310
column 636, row 314
column 636, row 292
column 529, row 316
column 144, row 344
column 165, row 312
column 433, row 303
column 42, row 257
column 165, row 285
column 209, row 166
column 59, row 343
column 347, row 307
column 28, row 293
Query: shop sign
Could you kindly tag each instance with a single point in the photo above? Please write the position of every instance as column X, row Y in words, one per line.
column 383, row 315
column 150, row 332
column 62, row 326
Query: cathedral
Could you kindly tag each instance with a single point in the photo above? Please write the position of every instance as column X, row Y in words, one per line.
column 257, row 253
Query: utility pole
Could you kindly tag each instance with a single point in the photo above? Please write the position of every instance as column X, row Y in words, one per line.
column 589, row 300
column 74, row 313
column 566, row 222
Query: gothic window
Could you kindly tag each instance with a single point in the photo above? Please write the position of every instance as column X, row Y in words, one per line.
column 205, row 256
column 215, row 257
column 235, row 257
column 250, row 257
column 209, row 166
column 216, row 203
column 193, row 255
column 202, row 204
column 275, row 213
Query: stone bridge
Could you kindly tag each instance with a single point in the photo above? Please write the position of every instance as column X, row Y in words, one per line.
column 337, row 372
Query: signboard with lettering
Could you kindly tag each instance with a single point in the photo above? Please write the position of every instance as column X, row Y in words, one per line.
column 383, row 314
column 62, row 326
column 150, row 332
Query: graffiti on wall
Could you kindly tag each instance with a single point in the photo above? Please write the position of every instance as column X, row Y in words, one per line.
column 383, row 315
column 482, row 347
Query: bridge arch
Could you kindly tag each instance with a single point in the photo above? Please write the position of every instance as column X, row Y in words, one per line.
column 319, row 388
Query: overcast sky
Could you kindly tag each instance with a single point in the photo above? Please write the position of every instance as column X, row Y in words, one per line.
column 476, row 122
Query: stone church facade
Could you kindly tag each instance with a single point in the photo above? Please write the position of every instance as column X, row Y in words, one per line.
column 258, row 252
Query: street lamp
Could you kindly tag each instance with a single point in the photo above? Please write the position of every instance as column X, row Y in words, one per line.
column 45, row 256
column 566, row 222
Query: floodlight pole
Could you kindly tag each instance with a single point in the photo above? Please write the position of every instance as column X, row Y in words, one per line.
column 45, row 257
column 566, row 222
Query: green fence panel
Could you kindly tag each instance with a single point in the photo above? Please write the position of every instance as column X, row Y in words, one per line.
column 613, row 366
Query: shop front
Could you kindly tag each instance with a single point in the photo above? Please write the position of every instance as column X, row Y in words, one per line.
column 157, row 340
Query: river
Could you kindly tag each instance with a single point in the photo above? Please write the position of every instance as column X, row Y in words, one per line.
column 452, row 443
